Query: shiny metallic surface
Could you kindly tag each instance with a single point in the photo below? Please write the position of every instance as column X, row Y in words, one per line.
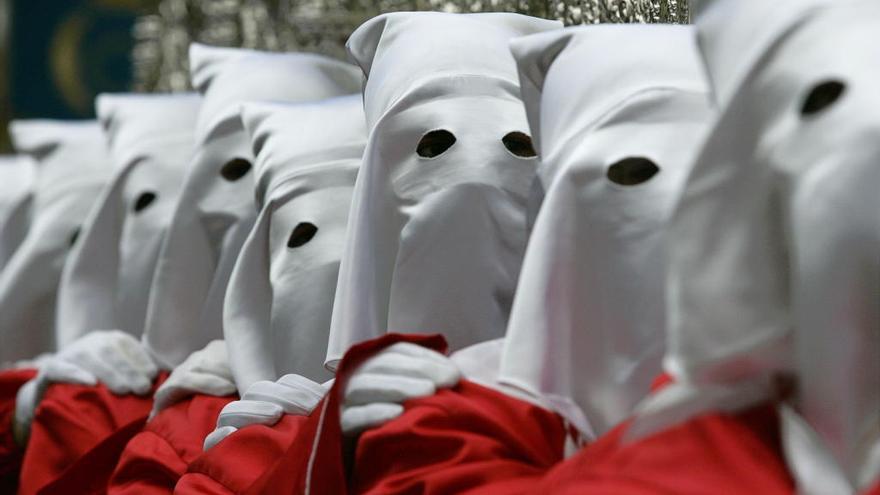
column 322, row 26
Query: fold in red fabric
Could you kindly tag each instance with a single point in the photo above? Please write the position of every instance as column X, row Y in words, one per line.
column 470, row 439
column 154, row 459
column 316, row 462
column 238, row 460
column 72, row 421
column 10, row 453
column 723, row 454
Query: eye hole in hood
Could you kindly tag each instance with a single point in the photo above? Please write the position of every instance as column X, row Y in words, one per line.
column 519, row 144
column 143, row 201
column 632, row 171
column 435, row 143
column 235, row 169
column 302, row 234
column 822, row 96
column 73, row 236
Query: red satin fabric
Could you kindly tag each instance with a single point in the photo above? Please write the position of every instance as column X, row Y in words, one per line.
column 10, row 454
column 155, row 459
column 316, row 461
column 237, row 461
column 470, row 439
column 72, row 421
column 714, row 453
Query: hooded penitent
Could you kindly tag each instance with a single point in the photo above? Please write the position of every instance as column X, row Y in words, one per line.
column 776, row 239
column 106, row 281
column 438, row 222
column 617, row 131
column 72, row 165
column 216, row 209
column 16, row 196
column 277, row 311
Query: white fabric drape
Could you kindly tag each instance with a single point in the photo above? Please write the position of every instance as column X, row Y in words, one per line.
column 435, row 239
column 278, row 304
column 106, row 280
column 72, row 165
column 16, row 195
column 587, row 328
column 216, row 210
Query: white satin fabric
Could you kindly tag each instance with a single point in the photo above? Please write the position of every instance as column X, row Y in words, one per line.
column 435, row 243
column 587, row 328
column 72, row 165
column 775, row 264
column 216, row 210
column 278, row 304
column 106, row 280
column 16, row 195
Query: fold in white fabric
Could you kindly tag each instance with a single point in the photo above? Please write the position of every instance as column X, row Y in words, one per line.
column 438, row 222
column 72, row 165
column 216, row 209
column 280, row 295
column 16, row 195
column 618, row 130
column 106, row 280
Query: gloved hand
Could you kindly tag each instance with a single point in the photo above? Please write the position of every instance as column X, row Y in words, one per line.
column 204, row 372
column 403, row 371
column 264, row 402
column 111, row 357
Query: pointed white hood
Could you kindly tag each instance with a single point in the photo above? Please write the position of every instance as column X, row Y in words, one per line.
column 72, row 165
column 438, row 223
column 280, row 295
column 618, row 132
column 16, row 196
column 106, row 281
column 216, row 210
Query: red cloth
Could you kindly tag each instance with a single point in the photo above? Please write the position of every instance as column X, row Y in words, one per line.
column 155, row 459
column 10, row 454
column 238, row 460
column 713, row 453
column 470, row 439
column 316, row 460
column 72, row 421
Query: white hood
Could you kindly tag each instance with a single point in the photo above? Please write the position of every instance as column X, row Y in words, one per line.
column 72, row 165
column 437, row 227
column 106, row 281
column 618, row 133
column 216, row 210
column 16, row 196
column 280, row 295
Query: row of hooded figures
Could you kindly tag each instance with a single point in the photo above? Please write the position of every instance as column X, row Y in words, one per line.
column 491, row 255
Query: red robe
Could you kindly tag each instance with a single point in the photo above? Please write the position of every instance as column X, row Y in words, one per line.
column 159, row 455
column 77, row 436
column 475, row 439
column 10, row 453
column 316, row 461
column 713, row 453
column 232, row 465
column 470, row 439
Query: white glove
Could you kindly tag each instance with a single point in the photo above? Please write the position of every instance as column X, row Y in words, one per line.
column 204, row 372
column 264, row 402
column 378, row 387
column 111, row 357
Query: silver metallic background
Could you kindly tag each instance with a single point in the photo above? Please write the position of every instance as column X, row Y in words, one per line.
column 322, row 26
